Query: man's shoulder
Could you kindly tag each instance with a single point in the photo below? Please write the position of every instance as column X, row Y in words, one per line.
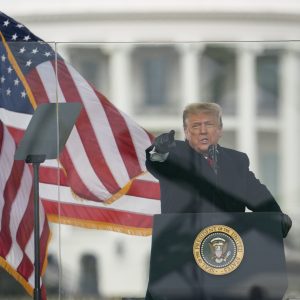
column 234, row 157
column 233, row 153
column 180, row 143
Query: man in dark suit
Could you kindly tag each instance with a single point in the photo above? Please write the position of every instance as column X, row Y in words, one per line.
column 198, row 175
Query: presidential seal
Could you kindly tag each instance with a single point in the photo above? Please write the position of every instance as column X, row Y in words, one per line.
column 218, row 249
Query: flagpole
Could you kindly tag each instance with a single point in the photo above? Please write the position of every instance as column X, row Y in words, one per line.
column 36, row 160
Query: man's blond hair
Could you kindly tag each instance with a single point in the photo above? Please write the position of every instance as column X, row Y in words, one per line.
column 204, row 107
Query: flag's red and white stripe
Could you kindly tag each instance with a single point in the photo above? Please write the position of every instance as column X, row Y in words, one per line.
column 102, row 172
column 103, row 152
column 17, row 215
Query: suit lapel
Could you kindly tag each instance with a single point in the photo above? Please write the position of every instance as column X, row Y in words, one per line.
column 226, row 173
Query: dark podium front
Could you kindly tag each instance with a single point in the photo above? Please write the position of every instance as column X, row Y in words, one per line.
column 252, row 269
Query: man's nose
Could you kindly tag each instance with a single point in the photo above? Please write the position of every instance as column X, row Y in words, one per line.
column 203, row 128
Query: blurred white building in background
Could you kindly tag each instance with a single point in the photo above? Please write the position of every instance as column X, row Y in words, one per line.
column 151, row 58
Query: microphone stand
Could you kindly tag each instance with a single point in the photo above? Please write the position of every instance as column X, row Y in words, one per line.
column 213, row 156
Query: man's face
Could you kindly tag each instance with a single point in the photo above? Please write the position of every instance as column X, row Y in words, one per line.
column 202, row 130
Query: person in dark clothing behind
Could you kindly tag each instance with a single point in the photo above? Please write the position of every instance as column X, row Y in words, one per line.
column 198, row 175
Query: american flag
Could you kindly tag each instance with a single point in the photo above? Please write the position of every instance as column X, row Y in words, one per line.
column 17, row 216
column 100, row 180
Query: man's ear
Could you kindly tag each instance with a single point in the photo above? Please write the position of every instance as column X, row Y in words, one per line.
column 186, row 134
column 220, row 132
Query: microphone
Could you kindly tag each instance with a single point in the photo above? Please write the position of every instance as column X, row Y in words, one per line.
column 213, row 156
